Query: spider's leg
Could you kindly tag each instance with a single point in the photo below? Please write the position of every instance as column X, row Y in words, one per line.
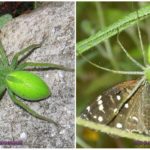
column 2, row 85
column 26, row 51
column 42, row 66
column 141, row 41
column 3, row 57
column 29, row 110
column 2, row 90
column 113, row 71
column 128, row 55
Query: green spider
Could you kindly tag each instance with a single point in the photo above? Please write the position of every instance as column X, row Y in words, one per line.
column 24, row 84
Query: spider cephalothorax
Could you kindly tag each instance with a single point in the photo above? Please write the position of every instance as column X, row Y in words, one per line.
column 24, row 84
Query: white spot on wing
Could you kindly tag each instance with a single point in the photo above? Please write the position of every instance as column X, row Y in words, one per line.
column 126, row 105
column 99, row 102
column 101, row 108
column 94, row 117
column 119, row 125
column 115, row 110
column 88, row 108
column 118, row 97
column 100, row 118
column 99, row 98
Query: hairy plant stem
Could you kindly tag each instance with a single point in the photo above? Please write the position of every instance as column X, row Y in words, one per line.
column 112, row 131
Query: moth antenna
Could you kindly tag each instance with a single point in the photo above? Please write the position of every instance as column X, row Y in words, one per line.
column 128, row 55
column 113, row 71
column 141, row 41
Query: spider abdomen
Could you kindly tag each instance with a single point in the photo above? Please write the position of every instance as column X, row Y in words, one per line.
column 27, row 85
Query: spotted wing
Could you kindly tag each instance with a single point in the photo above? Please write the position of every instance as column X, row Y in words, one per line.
column 135, row 117
column 104, row 108
column 129, row 117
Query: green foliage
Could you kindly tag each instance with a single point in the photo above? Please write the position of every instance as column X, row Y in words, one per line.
column 122, row 24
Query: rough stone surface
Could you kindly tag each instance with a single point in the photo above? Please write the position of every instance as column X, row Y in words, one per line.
column 55, row 21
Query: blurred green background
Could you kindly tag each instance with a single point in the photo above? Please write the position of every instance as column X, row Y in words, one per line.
column 91, row 81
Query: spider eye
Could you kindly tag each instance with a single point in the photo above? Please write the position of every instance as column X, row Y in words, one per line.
column 27, row 85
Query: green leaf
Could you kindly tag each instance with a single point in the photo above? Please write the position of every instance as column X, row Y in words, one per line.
column 4, row 19
column 111, row 30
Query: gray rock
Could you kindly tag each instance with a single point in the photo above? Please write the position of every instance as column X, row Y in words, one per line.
column 55, row 21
